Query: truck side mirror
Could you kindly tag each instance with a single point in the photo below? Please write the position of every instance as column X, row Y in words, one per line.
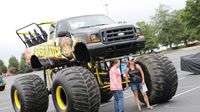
column 63, row 33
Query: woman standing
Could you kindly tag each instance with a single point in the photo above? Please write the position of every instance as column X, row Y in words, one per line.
column 116, row 86
column 136, row 75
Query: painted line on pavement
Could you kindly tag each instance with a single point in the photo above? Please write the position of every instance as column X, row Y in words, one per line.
column 181, row 78
column 187, row 91
column 4, row 103
column 3, row 98
column 3, row 108
column 181, row 94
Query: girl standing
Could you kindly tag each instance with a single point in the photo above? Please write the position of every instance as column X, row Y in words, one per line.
column 136, row 74
column 116, row 86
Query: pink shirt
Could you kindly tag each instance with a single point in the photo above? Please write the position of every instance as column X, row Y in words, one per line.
column 115, row 79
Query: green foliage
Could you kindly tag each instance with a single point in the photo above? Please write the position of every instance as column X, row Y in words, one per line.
column 161, row 16
column 3, row 68
column 192, row 17
column 177, row 31
column 169, row 26
column 161, row 22
column 13, row 65
column 23, row 67
column 148, row 31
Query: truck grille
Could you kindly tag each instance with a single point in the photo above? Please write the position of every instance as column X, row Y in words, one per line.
column 117, row 34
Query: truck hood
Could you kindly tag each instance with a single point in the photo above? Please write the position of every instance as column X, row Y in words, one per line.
column 96, row 29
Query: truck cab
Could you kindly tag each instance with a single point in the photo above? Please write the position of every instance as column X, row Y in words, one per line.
column 81, row 39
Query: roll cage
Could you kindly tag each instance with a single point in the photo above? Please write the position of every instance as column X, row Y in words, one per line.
column 34, row 36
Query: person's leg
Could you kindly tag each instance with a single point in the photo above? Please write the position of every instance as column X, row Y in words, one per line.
column 146, row 99
column 121, row 101
column 116, row 100
column 135, row 92
column 134, row 88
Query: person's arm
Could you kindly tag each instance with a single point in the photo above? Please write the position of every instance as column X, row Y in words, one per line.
column 127, row 76
column 141, row 72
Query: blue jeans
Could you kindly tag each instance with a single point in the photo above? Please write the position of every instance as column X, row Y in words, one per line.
column 118, row 101
column 136, row 86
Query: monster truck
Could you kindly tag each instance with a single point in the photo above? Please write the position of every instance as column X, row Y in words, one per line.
column 75, row 57
column 2, row 83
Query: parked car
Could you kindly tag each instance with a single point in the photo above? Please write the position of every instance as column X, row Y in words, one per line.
column 2, row 83
column 191, row 63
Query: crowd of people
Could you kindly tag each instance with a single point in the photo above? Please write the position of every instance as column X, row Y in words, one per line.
column 135, row 75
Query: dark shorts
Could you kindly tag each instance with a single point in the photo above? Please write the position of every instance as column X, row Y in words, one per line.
column 136, row 86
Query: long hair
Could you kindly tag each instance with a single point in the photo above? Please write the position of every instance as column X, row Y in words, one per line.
column 113, row 62
column 128, row 63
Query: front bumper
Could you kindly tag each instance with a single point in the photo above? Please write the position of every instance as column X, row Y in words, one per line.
column 112, row 50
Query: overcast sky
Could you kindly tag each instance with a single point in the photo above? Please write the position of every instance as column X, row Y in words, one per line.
column 18, row 13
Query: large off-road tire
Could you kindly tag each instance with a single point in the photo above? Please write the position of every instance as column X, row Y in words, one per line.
column 75, row 89
column 172, row 77
column 160, row 77
column 29, row 94
column 106, row 95
column 2, row 88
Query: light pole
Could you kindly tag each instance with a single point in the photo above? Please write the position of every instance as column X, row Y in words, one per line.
column 106, row 5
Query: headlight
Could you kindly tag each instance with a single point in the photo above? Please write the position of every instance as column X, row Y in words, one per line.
column 138, row 32
column 95, row 38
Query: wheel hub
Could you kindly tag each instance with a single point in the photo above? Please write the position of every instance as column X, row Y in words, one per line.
column 16, row 100
column 61, row 98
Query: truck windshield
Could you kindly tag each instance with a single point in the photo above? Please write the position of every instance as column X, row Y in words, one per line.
column 89, row 21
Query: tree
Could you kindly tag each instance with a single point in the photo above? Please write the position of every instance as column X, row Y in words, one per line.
column 182, row 32
column 3, row 68
column 23, row 67
column 161, row 16
column 192, row 17
column 13, row 65
column 169, row 26
column 151, row 40
column 161, row 22
column 177, row 29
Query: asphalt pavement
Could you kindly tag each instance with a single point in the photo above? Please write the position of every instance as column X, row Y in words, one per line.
column 187, row 98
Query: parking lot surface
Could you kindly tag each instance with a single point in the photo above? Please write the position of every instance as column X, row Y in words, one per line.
column 187, row 98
